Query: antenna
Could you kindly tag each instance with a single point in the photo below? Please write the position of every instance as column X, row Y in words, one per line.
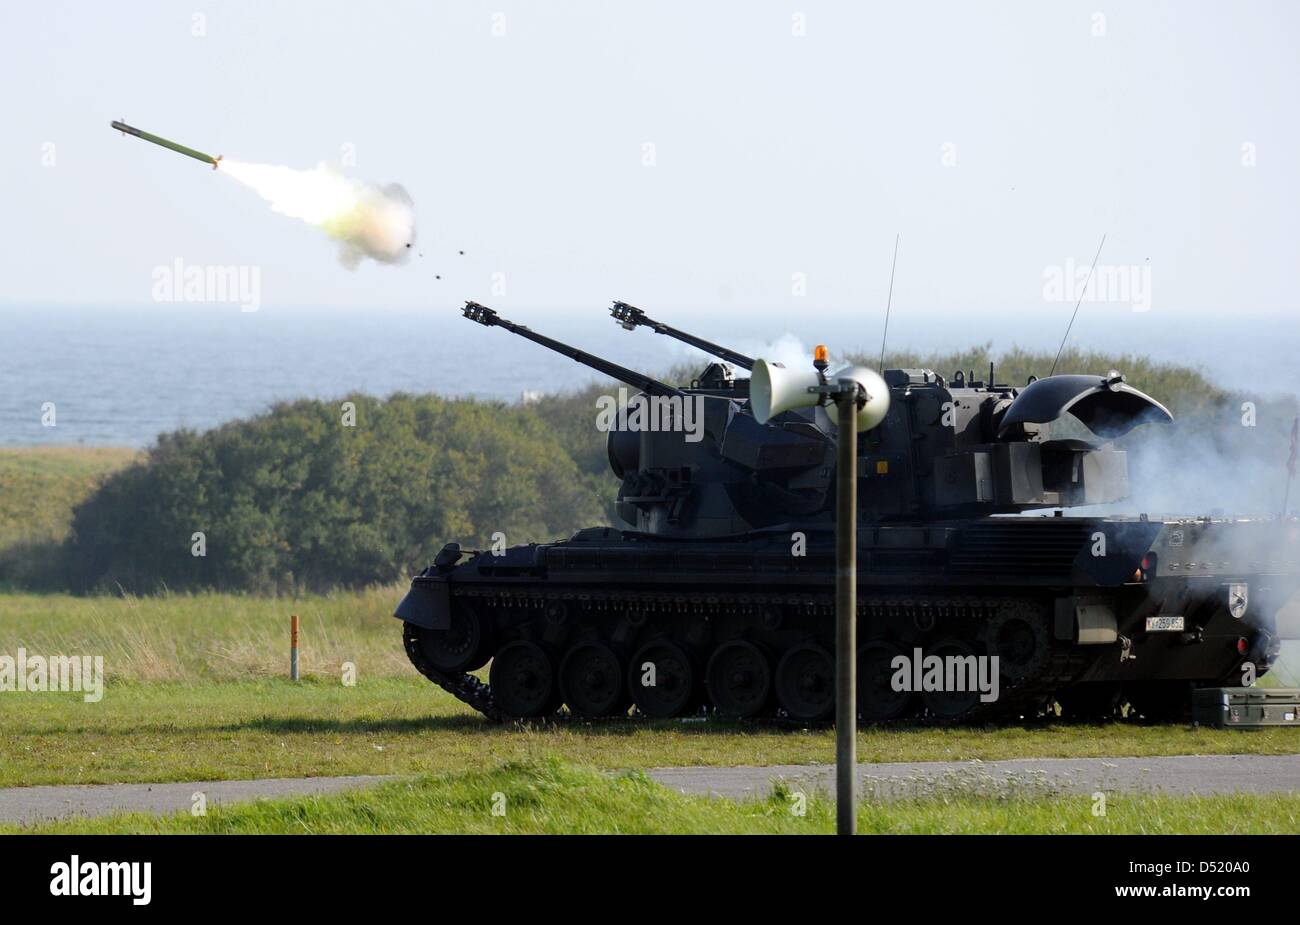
column 1076, row 306
column 888, row 302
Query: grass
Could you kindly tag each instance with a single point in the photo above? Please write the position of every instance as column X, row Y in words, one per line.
column 224, row 730
column 550, row 796
column 196, row 690
column 39, row 487
column 209, row 636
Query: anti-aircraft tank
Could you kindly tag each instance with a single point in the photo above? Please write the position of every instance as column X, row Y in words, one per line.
column 718, row 593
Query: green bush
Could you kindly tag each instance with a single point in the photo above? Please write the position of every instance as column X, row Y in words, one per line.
column 292, row 499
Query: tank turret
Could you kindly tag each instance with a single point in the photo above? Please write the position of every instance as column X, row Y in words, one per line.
column 966, row 446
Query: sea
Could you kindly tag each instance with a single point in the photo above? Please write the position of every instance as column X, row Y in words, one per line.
column 121, row 375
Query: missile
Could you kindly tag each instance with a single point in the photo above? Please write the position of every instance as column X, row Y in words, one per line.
column 188, row 152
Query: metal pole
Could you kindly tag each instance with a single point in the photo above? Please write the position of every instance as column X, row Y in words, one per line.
column 293, row 647
column 846, row 611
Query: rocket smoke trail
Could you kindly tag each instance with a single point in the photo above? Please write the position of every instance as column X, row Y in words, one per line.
column 366, row 219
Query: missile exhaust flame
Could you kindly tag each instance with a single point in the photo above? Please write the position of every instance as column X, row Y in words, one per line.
column 366, row 219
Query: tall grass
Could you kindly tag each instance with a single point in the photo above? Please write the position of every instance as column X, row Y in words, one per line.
column 189, row 637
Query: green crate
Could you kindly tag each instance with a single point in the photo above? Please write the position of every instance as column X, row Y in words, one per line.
column 1246, row 707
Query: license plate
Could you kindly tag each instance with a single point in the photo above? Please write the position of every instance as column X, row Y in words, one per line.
column 1164, row 624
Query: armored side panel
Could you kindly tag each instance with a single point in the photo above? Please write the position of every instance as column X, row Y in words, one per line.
column 964, row 479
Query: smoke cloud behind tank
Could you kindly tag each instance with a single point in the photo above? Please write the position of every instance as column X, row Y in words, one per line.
column 367, row 220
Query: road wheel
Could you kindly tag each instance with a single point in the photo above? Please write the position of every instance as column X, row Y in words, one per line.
column 805, row 683
column 1020, row 636
column 878, row 702
column 950, row 704
column 662, row 680
column 463, row 646
column 739, row 679
column 523, row 680
column 591, row 680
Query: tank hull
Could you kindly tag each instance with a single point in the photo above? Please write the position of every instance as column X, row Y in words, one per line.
column 1078, row 610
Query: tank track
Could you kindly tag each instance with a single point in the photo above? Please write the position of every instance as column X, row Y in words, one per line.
column 1031, row 698
column 466, row 688
column 1027, row 699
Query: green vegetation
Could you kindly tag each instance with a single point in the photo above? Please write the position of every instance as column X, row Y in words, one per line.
column 1182, row 389
column 39, row 487
column 210, row 636
column 548, row 796
column 296, row 499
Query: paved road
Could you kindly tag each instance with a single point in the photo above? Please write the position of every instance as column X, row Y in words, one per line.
column 28, row 805
column 1183, row 774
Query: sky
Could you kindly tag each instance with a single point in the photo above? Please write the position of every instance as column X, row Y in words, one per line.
column 719, row 160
